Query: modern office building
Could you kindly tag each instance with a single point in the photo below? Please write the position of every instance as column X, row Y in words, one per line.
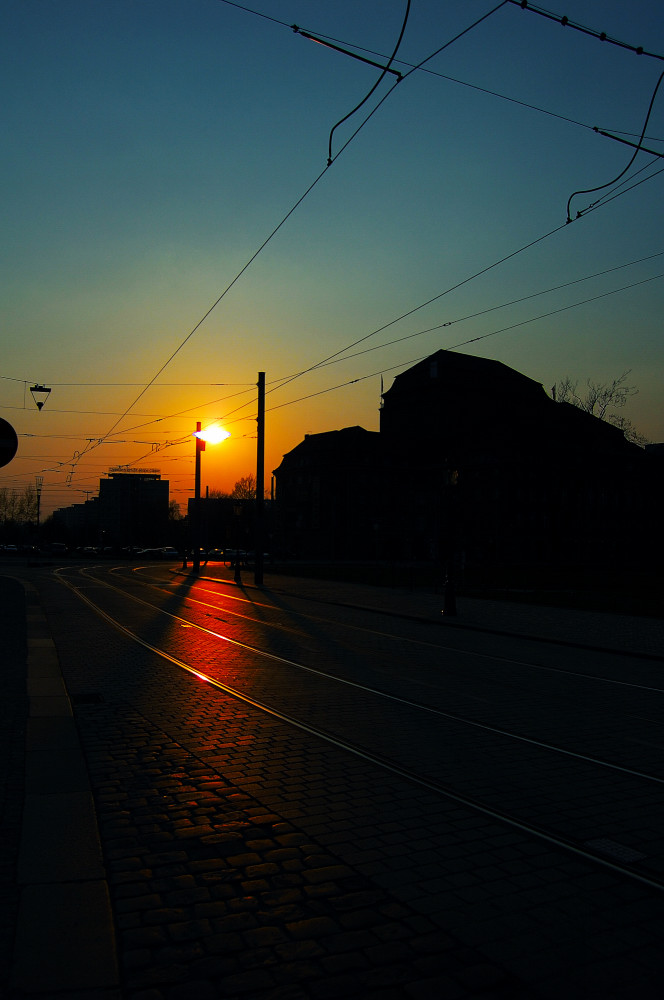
column 133, row 508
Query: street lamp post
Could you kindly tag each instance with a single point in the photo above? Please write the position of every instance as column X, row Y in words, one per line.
column 214, row 435
column 196, row 526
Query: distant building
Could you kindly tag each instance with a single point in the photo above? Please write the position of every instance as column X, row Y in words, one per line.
column 133, row 508
column 474, row 464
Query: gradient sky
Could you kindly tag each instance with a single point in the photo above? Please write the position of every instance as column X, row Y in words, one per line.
column 151, row 147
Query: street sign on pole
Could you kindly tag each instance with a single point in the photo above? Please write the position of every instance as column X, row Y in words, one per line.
column 8, row 442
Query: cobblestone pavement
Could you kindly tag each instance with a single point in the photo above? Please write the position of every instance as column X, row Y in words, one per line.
column 232, row 856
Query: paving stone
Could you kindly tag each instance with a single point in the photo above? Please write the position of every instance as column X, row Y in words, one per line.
column 312, row 928
column 245, row 982
column 196, row 989
column 163, row 915
column 190, row 930
column 292, row 951
column 234, row 922
column 145, row 937
column 227, row 942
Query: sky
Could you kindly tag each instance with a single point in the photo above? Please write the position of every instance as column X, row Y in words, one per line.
column 180, row 213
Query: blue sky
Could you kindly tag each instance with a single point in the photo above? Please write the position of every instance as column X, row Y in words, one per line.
column 152, row 146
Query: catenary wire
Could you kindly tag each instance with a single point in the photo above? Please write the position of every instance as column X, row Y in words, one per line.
column 425, row 69
column 622, row 173
column 503, row 305
column 375, row 86
column 283, row 221
column 524, row 4
column 336, row 359
column 423, row 305
column 599, row 35
column 472, row 340
column 394, row 367
column 601, row 202
column 612, row 195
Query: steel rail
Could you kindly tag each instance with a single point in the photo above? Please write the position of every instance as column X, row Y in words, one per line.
column 455, row 649
column 406, row 702
column 378, row 760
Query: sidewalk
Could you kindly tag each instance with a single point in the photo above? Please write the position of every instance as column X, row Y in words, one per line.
column 59, row 899
column 93, row 912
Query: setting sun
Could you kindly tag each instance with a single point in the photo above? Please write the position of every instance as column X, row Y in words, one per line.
column 213, row 434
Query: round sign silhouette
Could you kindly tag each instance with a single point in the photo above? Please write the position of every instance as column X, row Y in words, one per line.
column 8, row 442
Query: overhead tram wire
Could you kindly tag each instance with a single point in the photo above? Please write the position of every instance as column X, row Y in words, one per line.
column 503, row 305
column 523, row 4
column 622, row 173
column 626, row 142
column 602, row 37
column 325, row 39
column 463, row 343
column 287, row 216
column 612, row 195
column 329, row 39
column 599, row 204
column 364, row 100
column 599, row 35
column 94, row 441
column 60, row 466
column 555, row 312
column 338, row 358
column 449, row 323
column 423, row 305
column 256, row 13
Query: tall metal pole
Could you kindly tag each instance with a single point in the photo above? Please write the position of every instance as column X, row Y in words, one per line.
column 260, row 483
column 196, row 520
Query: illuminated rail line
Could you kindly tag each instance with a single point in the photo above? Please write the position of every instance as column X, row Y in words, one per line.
column 380, row 760
column 377, row 692
column 476, row 654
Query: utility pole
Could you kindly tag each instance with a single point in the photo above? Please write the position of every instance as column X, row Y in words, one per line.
column 260, row 483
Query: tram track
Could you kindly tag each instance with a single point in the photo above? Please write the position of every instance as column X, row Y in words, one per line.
column 439, row 645
column 635, row 869
column 410, row 703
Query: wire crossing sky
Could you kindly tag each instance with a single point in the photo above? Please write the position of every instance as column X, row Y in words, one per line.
column 171, row 226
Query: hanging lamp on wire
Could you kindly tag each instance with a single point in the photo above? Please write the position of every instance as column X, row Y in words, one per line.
column 40, row 394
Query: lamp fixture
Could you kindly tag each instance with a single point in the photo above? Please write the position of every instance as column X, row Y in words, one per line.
column 40, row 394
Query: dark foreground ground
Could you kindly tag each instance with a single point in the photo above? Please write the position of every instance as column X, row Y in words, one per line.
column 617, row 591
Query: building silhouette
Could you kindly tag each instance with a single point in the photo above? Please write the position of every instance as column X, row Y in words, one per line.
column 133, row 508
column 327, row 496
column 474, row 465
